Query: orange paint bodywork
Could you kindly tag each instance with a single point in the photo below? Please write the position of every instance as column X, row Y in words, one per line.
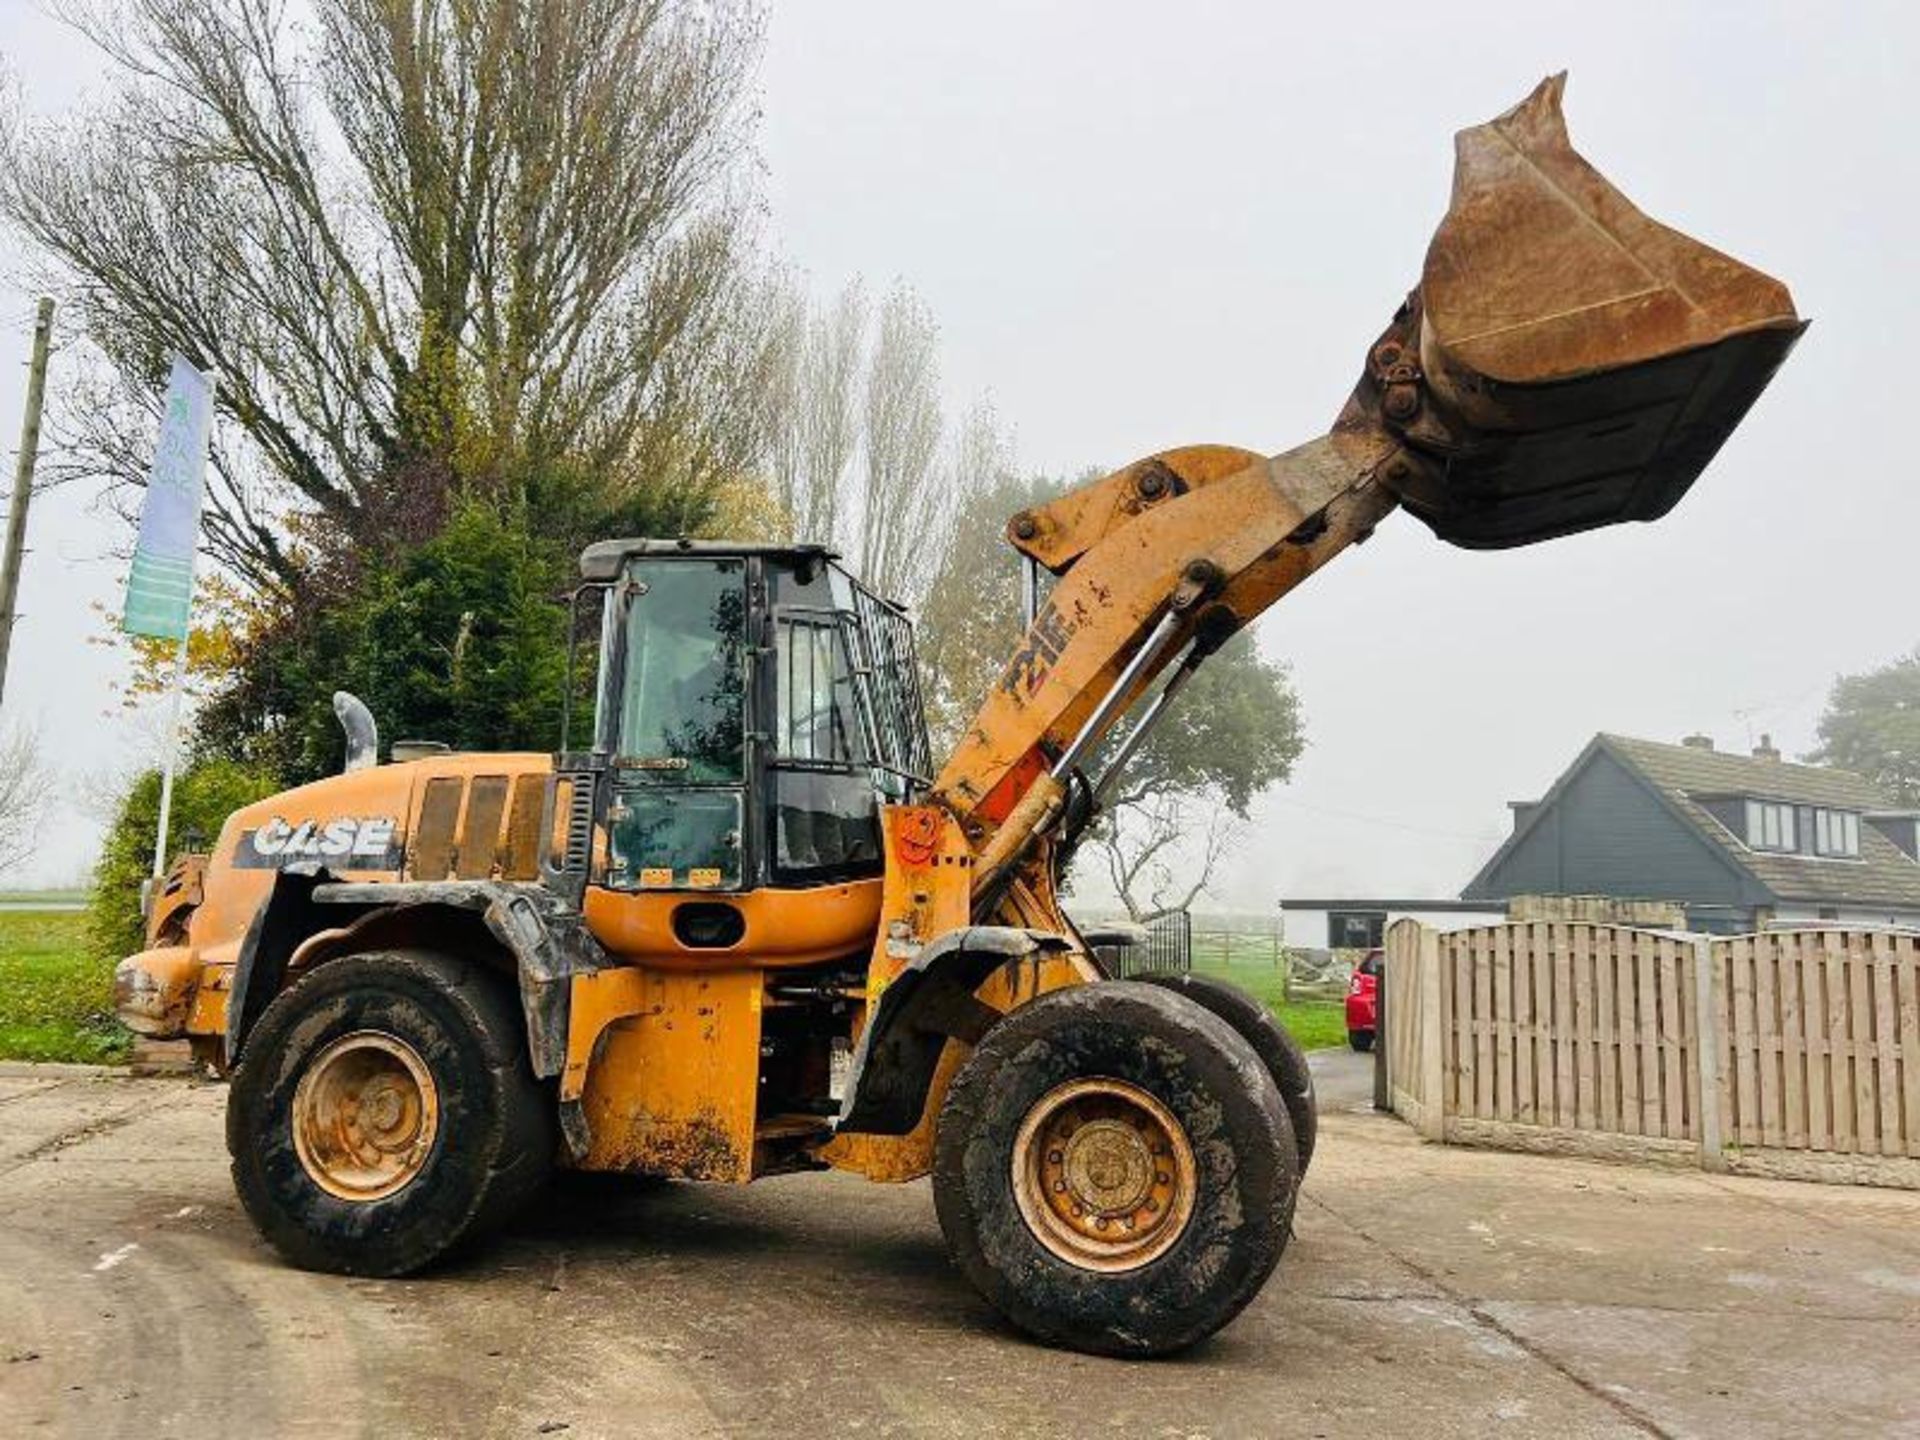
column 208, row 902
column 234, row 891
column 666, row 1066
column 782, row 927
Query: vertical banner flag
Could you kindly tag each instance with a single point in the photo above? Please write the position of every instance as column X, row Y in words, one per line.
column 160, row 589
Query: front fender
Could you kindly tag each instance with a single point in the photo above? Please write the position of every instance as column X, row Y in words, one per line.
column 927, row 1004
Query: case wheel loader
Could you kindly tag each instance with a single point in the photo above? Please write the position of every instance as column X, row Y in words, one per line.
column 753, row 928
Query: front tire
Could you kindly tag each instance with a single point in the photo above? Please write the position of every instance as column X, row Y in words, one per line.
column 1361, row 1040
column 1271, row 1041
column 384, row 1111
column 1114, row 1170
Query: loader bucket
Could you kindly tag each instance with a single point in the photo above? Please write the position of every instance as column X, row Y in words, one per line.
column 1585, row 361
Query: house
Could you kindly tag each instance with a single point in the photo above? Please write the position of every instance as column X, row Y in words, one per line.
column 1743, row 842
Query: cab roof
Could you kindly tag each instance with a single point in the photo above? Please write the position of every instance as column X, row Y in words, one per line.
column 604, row 559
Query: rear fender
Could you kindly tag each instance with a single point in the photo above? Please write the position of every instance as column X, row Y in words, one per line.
column 288, row 917
column 541, row 936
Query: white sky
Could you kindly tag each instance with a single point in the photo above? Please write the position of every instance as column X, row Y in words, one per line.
column 1145, row 226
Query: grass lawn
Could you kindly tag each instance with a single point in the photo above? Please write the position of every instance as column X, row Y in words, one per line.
column 1316, row 1024
column 56, row 1001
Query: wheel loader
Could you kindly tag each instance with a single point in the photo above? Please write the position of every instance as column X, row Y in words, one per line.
column 753, row 926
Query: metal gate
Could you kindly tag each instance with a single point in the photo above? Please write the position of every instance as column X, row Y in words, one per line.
column 1166, row 945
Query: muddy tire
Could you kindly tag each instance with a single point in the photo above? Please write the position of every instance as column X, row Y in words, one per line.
column 1271, row 1041
column 1114, row 1170
column 384, row 1111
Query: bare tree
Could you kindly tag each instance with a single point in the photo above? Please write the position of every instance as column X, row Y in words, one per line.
column 23, row 794
column 428, row 245
column 836, row 345
column 853, row 431
column 903, row 506
column 1161, row 851
column 970, row 620
column 813, row 423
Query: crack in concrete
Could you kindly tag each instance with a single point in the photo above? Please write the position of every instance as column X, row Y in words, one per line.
column 1632, row 1414
column 80, row 1134
column 45, row 1087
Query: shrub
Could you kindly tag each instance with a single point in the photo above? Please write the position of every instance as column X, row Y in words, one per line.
column 203, row 796
column 458, row 639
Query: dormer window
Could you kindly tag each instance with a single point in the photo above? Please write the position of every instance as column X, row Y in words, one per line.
column 1770, row 826
column 1836, row 833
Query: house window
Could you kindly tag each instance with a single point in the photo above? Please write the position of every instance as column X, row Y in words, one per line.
column 1355, row 929
column 1770, row 826
column 1836, row 832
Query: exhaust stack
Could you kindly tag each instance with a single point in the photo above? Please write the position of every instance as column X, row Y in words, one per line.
column 1567, row 362
column 363, row 736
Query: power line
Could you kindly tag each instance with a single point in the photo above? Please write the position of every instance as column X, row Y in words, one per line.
column 1380, row 821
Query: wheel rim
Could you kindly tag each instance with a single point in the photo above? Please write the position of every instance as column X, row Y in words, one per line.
column 1103, row 1174
column 364, row 1116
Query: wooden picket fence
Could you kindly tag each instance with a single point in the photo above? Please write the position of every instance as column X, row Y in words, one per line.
column 1789, row 1051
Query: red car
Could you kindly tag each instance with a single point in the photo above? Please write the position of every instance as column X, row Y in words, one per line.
column 1363, row 1002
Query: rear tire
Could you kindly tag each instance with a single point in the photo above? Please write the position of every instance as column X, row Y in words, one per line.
column 384, row 1111
column 1271, row 1041
column 1361, row 1040
column 1114, row 1170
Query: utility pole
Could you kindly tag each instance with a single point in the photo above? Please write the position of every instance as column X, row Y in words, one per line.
column 23, row 483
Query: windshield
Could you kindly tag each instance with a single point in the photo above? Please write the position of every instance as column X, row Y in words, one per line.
column 682, row 710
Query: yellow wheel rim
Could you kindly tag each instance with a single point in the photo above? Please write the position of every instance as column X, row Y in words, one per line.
column 1103, row 1174
column 364, row 1116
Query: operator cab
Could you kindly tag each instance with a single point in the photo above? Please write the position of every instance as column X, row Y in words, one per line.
column 756, row 706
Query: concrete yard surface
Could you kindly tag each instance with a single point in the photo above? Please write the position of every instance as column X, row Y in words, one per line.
column 1427, row 1292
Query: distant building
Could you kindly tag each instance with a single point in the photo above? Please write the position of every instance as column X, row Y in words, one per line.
column 1361, row 924
column 1742, row 842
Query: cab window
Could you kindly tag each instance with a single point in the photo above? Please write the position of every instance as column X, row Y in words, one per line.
column 826, row 820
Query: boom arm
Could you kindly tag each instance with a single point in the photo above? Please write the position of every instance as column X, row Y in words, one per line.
column 1160, row 563
column 1566, row 363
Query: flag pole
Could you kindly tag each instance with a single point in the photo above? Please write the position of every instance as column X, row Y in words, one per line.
column 172, row 750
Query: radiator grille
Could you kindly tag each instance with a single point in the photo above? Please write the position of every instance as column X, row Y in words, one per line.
column 436, row 834
column 480, row 832
column 475, row 830
column 523, row 828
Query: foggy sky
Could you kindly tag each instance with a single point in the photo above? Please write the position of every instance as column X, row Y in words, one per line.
column 1143, row 226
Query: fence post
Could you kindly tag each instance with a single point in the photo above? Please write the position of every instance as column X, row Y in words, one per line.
column 1433, row 1062
column 1382, row 1041
column 1706, row 1055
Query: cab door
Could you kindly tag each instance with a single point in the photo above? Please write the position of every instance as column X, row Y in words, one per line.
column 676, row 728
